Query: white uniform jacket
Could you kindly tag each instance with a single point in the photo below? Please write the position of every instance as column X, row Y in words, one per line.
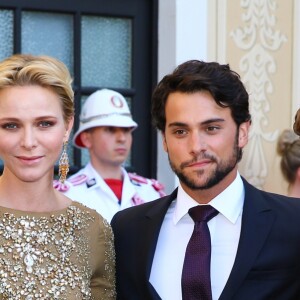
column 88, row 187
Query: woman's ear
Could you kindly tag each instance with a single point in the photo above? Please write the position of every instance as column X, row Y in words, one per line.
column 69, row 128
column 298, row 174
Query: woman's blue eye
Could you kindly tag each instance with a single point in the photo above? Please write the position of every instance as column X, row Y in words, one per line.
column 45, row 124
column 9, row 126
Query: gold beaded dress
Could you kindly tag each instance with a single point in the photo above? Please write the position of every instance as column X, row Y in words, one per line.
column 66, row 255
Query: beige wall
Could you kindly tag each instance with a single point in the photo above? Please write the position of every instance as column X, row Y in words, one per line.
column 256, row 39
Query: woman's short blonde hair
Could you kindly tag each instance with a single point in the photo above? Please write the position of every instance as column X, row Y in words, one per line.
column 45, row 71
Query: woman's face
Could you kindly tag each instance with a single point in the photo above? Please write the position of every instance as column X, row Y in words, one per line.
column 32, row 131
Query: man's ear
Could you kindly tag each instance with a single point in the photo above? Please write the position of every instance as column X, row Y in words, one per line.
column 244, row 134
column 164, row 141
column 85, row 137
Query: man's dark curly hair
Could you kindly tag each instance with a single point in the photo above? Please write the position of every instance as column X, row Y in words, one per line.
column 193, row 76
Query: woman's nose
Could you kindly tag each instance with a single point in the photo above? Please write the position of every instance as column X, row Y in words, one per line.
column 29, row 139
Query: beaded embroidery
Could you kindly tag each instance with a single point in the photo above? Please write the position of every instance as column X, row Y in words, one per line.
column 38, row 255
column 110, row 259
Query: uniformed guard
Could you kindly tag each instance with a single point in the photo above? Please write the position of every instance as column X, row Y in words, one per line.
column 105, row 129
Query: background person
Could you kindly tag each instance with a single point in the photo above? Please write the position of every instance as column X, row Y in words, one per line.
column 50, row 246
column 288, row 147
column 252, row 239
column 105, row 130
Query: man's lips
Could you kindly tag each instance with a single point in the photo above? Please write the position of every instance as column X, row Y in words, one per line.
column 200, row 163
column 121, row 150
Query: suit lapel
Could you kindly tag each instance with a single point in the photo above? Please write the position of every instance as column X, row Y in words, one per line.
column 257, row 220
column 151, row 228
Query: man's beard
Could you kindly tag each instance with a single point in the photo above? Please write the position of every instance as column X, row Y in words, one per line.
column 222, row 170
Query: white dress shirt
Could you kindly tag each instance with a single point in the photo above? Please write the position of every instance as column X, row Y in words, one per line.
column 177, row 229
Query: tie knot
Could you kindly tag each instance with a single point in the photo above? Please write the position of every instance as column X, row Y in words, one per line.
column 202, row 213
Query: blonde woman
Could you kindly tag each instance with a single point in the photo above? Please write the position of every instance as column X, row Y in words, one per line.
column 50, row 246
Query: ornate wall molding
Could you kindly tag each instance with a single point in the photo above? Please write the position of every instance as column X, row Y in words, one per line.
column 259, row 39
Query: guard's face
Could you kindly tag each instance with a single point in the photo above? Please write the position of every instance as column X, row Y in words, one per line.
column 32, row 131
column 108, row 146
column 202, row 141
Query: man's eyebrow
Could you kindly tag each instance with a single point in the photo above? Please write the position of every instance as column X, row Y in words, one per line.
column 214, row 120
column 177, row 124
column 209, row 121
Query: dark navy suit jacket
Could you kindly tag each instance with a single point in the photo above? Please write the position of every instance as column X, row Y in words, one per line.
column 267, row 264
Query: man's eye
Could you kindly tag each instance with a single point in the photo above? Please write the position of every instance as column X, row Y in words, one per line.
column 109, row 129
column 180, row 132
column 212, row 128
column 127, row 129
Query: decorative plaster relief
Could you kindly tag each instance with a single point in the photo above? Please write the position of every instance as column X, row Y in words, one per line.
column 259, row 39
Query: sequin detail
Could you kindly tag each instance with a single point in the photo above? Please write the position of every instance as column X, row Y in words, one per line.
column 45, row 257
column 109, row 261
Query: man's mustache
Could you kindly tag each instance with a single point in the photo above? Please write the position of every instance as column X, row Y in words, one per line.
column 197, row 159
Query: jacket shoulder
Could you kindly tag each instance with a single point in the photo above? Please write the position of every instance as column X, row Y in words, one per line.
column 268, row 200
column 139, row 180
column 158, row 206
column 75, row 180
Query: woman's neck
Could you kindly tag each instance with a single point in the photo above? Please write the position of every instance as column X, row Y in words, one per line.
column 38, row 196
column 294, row 190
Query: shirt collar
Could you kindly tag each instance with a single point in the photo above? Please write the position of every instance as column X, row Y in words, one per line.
column 229, row 203
column 93, row 174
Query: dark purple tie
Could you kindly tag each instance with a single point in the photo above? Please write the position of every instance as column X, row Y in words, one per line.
column 195, row 281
